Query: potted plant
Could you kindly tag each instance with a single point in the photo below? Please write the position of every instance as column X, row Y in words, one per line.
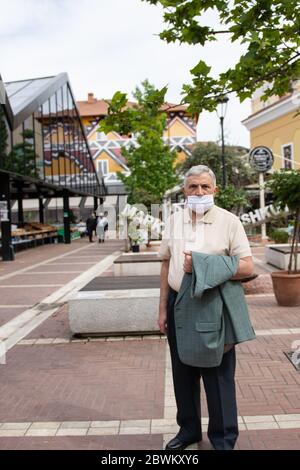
column 136, row 237
column 285, row 187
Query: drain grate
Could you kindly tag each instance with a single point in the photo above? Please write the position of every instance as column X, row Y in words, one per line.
column 294, row 358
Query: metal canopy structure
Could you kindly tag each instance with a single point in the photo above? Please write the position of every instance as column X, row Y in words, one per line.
column 47, row 152
column 48, row 137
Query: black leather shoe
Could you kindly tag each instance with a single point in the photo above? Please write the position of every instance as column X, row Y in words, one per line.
column 178, row 444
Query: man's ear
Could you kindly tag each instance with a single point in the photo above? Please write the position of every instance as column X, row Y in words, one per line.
column 216, row 190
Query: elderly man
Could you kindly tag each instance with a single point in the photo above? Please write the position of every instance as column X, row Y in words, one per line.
column 204, row 228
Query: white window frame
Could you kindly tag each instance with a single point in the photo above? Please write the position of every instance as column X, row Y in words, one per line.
column 112, row 177
column 288, row 144
column 100, row 164
column 101, row 135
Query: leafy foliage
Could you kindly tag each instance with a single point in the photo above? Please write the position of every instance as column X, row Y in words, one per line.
column 21, row 159
column 285, row 187
column 3, row 138
column 279, row 236
column 268, row 28
column 231, row 199
column 151, row 162
column 239, row 172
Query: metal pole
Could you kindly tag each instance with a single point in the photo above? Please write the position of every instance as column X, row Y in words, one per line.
column 20, row 206
column 223, row 153
column 41, row 209
column 5, row 223
column 262, row 204
column 67, row 230
column 95, row 203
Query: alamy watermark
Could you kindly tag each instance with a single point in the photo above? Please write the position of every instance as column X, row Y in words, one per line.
column 295, row 358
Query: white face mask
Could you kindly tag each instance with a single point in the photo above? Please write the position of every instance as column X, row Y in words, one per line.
column 200, row 204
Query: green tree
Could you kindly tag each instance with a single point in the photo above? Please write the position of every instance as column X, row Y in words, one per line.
column 232, row 199
column 285, row 187
column 21, row 159
column 3, row 138
column 151, row 161
column 238, row 169
column 267, row 29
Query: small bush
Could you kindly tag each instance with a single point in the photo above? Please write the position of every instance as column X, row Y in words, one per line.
column 280, row 236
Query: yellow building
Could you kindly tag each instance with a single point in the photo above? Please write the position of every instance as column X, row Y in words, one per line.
column 275, row 124
column 180, row 134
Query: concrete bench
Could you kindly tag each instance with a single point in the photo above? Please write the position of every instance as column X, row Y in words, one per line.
column 137, row 264
column 279, row 255
column 116, row 306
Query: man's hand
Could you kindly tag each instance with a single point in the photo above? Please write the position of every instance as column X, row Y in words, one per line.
column 228, row 347
column 187, row 265
column 162, row 320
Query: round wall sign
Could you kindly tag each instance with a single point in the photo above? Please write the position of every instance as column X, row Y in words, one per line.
column 261, row 158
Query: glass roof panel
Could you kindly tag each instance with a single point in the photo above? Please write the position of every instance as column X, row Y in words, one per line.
column 19, row 92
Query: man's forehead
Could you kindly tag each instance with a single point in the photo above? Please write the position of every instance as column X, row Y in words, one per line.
column 200, row 179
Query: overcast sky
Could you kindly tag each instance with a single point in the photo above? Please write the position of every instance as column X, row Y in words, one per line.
column 109, row 45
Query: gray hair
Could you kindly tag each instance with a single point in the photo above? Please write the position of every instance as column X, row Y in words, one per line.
column 198, row 170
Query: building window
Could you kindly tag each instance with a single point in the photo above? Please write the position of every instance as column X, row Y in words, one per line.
column 103, row 166
column 112, row 177
column 287, row 153
column 101, row 136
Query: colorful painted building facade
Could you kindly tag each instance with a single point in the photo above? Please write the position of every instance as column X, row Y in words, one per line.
column 275, row 123
column 180, row 134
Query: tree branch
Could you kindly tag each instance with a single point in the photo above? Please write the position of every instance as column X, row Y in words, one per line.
column 265, row 78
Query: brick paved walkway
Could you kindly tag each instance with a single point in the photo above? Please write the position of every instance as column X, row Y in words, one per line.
column 116, row 393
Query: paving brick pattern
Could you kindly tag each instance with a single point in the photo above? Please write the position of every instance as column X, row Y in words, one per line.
column 36, row 279
column 7, row 314
column 58, row 265
column 39, row 254
column 267, row 382
column 83, row 381
column 265, row 313
column 25, row 296
column 261, row 285
column 248, row 440
column 132, row 442
column 88, row 381
column 57, row 326
column 284, row 439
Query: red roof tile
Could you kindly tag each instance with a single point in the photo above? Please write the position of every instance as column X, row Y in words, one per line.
column 94, row 107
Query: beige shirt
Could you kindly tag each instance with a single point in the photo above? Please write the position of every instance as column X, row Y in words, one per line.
column 218, row 232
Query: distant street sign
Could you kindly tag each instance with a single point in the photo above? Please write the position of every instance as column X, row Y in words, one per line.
column 261, row 159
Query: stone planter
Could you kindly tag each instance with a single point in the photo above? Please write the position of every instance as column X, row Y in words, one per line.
column 116, row 306
column 286, row 288
column 141, row 264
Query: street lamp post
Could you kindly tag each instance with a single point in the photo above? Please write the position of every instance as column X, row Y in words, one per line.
column 221, row 112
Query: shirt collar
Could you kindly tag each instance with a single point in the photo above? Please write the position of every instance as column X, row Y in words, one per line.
column 208, row 218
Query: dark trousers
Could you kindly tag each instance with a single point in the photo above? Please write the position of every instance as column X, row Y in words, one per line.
column 219, row 388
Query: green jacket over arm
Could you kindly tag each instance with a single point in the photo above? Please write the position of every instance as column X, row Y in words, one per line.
column 210, row 311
